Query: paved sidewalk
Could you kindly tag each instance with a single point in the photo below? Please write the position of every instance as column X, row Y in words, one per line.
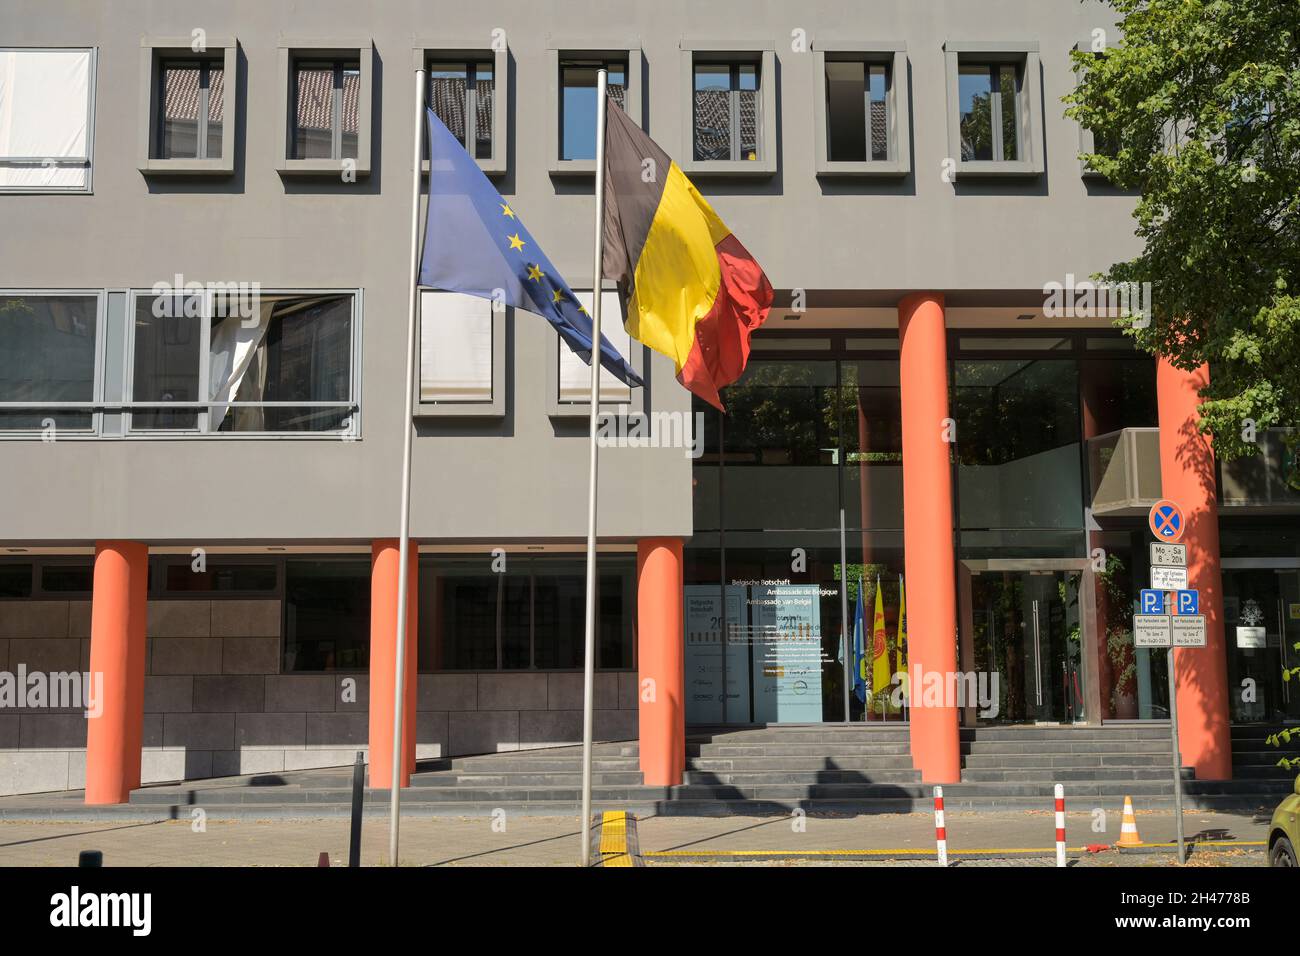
column 553, row 841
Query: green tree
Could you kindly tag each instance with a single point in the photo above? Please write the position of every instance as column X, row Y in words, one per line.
column 1200, row 103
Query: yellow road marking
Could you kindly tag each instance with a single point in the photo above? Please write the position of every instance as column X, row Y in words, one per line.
column 613, row 832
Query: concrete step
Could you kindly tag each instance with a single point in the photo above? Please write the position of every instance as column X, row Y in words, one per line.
column 805, row 777
column 1073, row 733
column 1048, row 761
column 796, row 750
column 789, row 763
column 1064, row 775
column 828, row 735
column 1068, row 745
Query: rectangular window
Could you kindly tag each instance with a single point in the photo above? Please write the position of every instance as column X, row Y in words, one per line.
column 47, row 354
column 219, row 577
column 575, row 374
column 15, row 580
column 578, row 103
column 326, row 615
column 46, row 119
column 326, row 98
column 65, row 579
column 278, row 363
column 456, row 348
column 726, row 111
column 857, row 111
column 167, row 363
column 989, row 95
column 461, row 95
column 191, row 98
column 529, row 615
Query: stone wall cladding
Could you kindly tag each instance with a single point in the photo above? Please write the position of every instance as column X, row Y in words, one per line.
column 217, row 705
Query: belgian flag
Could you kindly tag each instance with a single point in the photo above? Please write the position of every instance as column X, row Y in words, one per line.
column 693, row 292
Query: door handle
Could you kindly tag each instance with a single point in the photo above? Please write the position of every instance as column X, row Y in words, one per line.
column 1281, row 634
column 1038, row 659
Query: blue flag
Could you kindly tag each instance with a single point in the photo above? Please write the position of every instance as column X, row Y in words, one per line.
column 475, row 244
column 859, row 647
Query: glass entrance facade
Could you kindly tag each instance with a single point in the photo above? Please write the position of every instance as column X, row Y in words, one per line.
column 798, row 490
column 798, row 510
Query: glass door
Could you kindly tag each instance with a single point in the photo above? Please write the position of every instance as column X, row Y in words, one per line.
column 1289, row 625
column 1261, row 611
column 1027, row 640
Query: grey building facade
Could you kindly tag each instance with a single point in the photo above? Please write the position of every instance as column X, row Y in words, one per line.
column 262, row 519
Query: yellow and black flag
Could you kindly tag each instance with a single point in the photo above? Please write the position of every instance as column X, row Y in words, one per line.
column 693, row 292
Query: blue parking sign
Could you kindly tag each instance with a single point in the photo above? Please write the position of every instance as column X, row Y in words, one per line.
column 1153, row 602
column 1189, row 602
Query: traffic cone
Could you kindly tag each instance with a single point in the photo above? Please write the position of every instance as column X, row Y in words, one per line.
column 1128, row 830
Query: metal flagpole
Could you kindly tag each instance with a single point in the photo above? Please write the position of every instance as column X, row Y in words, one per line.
column 589, row 654
column 404, row 535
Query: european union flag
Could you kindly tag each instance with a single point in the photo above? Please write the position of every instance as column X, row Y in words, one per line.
column 474, row 243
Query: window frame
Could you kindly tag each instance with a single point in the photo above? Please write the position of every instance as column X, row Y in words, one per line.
column 96, row 404
column 637, row 403
column 628, row 50
column 153, row 52
column 1029, row 103
column 88, row 161
column 291, row 52
column 496, row 407
column 760, row 54
column 1087, row 141
column 438, row 560
column 201, row 430
column 441, row 49
column 891, row 54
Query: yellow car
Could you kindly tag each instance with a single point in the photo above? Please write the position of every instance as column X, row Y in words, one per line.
column 1284, row 831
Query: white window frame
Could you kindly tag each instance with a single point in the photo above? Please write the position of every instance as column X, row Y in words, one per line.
column 893, row 56
column 762, row 55
column 636, row 358
column 95, row 405
column 350, row 433
column 153, row 52
column 628, row 50
column 467, row 48
column 495, row 407
column 290, row 52
column 1029, row 103
column 88, row 161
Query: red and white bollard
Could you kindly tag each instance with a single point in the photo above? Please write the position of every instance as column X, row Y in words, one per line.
column 1060, row 825
column 940, row 833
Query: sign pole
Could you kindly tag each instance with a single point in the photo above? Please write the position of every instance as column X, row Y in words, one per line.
column 1178, row 757
column 589, row 652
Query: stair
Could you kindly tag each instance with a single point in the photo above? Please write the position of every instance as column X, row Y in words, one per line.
column 761, row 770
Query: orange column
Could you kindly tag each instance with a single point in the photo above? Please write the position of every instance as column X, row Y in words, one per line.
column 929, row 562
column 384, row 561
column 115, row 735
column 661, row 657
column 1187, row 478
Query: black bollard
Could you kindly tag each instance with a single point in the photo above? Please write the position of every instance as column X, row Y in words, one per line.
column 358, row 796
column 90, row 858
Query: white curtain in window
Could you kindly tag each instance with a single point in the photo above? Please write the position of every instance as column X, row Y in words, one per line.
column 234, row 345
column 575, row 374
column 44, row 114
column 455, row 348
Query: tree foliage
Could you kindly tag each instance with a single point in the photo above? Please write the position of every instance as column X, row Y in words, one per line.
column 1201, row 99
